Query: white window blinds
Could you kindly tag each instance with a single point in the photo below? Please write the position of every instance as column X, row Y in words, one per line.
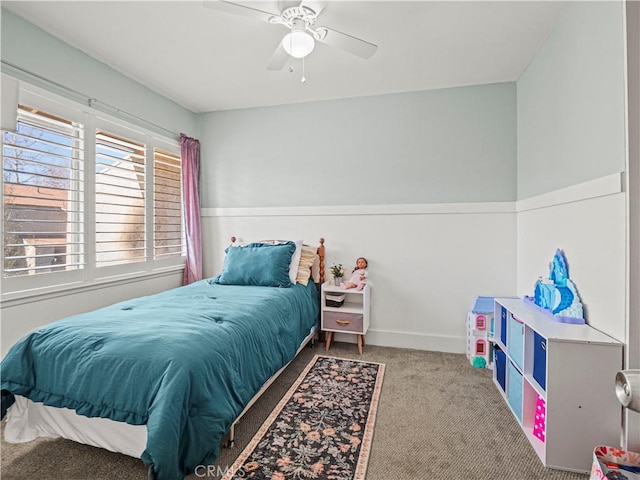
column 168, row 240
column 42, row 194
column 120, row 195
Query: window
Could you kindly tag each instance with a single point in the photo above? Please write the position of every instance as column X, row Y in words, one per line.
column 86, row 197
column 169, row 237
column 120, row 200
column 42, row 191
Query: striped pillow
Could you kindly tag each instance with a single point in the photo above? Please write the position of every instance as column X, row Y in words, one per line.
column 307, row 259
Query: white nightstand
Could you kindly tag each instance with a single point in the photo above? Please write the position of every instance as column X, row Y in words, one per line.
column 352, row 317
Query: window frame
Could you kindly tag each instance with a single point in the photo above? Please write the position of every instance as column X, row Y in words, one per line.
column 91, row 276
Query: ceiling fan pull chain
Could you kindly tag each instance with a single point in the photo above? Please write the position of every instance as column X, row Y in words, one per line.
column 303, row 79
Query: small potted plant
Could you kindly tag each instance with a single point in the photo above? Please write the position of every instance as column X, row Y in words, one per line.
column 337, row 270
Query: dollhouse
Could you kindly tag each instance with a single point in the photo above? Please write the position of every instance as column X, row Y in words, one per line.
column 479, row 333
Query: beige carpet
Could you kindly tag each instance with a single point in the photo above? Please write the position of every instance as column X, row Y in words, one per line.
column 438, row 418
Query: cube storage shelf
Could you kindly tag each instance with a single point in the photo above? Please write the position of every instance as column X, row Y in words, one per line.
column 557, row 379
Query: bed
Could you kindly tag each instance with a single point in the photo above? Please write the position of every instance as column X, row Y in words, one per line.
column 166, row 377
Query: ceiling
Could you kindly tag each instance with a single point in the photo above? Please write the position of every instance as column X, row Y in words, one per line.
column 207, row 59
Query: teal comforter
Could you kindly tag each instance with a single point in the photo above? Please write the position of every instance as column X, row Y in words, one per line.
column 184, row 362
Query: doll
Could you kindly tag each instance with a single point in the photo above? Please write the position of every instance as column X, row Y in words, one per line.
column 358, row 277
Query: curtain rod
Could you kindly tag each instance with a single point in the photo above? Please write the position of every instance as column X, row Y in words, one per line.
column 28, row 76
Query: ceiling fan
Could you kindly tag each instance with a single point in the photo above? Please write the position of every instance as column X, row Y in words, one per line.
column 301, row 22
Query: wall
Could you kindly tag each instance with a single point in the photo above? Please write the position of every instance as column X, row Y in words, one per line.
column 36, row 51
column 422, row 184
column 571, row 130
column 591, row 229
column 30, row 48
column 571, row 102
column 571, row 148
column 450, row 145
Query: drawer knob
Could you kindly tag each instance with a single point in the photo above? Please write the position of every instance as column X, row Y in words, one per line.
column 343, row 322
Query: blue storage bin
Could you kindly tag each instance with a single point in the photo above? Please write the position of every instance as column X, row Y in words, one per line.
column 514, row 390
column 500, row 368
column 515, row 336
column 540, row 359
column 503, row 325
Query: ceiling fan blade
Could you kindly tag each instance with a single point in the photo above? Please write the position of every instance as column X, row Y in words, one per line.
column 279, row 58
column 353, row 45
column 240, row 9
column 316, row 5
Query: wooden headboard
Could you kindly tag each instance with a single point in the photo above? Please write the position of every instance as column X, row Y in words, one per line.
column 320, row 252
column 321, row 257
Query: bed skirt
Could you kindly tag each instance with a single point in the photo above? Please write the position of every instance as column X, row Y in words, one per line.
column 27, row 420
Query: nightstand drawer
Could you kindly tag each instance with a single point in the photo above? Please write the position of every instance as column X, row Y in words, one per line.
column 349, row 322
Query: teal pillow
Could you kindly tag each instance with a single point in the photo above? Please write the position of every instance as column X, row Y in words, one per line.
column 257, row 264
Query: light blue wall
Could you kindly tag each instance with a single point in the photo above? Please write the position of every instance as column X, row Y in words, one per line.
column 440, row 146
column 571, row 102
column 38, row 52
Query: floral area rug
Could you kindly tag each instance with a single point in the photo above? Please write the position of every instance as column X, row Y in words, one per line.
column 321, row 429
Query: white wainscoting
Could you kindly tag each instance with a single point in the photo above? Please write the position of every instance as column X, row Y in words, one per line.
column 426, row 262
column 587, row 221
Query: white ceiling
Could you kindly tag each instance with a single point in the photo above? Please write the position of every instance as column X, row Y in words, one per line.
column 205, row 59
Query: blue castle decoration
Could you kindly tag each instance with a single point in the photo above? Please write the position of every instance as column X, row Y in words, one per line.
column 558, row 295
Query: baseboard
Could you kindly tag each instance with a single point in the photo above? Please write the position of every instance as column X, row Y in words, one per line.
column 417, row 341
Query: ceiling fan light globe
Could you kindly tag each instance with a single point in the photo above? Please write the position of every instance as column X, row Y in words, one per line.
column 298, row 44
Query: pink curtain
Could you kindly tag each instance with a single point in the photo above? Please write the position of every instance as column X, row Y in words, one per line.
column 190, row 152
